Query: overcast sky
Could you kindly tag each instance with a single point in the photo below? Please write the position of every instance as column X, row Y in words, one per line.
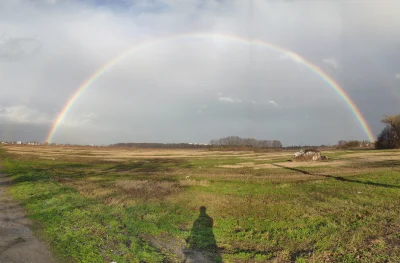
column 196, row 89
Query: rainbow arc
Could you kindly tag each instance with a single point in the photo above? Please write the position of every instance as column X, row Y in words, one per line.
column 289, row 54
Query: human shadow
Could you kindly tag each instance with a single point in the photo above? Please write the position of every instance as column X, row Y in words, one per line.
column 201, row 244
column 339, row 178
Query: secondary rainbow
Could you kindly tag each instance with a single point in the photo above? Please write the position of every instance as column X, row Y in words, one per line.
column 289, row 54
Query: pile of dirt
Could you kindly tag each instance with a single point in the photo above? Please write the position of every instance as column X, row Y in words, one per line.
column 309, row 155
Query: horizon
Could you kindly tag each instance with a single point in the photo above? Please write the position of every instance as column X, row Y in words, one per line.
column 37, row 143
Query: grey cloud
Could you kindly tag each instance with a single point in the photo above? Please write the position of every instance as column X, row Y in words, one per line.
column 12, row 49
column 332, row 62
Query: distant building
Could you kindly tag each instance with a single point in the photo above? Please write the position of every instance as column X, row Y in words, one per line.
column 19, row 142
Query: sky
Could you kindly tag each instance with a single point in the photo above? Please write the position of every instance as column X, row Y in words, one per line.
column 196, row 89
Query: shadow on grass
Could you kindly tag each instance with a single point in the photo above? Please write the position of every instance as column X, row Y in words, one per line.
column 20, row 173
column 338, row 178
column 379, row 164
column 71, row 165
column 148, row 165
column 18, row 177
column 201, row 244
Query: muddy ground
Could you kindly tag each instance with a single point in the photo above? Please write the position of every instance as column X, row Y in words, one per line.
column 17, row 242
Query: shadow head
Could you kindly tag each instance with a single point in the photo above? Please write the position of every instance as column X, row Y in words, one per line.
column 202, row 210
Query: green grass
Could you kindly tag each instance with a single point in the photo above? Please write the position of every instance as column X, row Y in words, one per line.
column 86, row 217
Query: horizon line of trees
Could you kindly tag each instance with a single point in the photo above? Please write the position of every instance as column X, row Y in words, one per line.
column 389, row 138
column 236, row 141
column 160, row 145
column 342, row 144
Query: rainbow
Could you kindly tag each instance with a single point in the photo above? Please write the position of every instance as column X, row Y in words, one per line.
column 289, row 54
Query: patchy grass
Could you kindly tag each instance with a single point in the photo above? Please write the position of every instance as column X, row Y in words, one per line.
column 91, row 209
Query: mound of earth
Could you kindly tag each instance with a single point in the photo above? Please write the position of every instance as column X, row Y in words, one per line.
column 309, row 155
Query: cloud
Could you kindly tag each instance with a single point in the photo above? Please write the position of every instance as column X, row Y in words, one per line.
column 24, row 115
column 331, row 61
column 18, row 48
column 84, row 119
column 291, row 56
column 397, row 76
column 229, row 100
column 273, row 103
column 202, row 108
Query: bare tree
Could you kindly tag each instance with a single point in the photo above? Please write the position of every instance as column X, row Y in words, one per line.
column 235, row 141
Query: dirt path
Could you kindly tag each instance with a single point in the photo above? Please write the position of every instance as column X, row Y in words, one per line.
column 17, row 242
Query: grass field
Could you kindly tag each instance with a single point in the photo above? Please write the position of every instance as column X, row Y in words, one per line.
column 131, row 205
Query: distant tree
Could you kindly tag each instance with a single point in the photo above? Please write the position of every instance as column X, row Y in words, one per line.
column 235, row 141
column 394, row 123
column 353, row 144
column 384, row 140
column 276, row 144
column 389, row 138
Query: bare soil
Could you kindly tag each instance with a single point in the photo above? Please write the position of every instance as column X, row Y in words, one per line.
column 17, row 242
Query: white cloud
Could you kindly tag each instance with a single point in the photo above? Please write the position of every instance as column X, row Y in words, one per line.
column 229, row 100
column 24, row 115
column 291, row 56
column 283, row 56
column 273, row 103
column 202, row 108
column 397, row 76
column 87, row 118
column 331, row 61
column 80, row 119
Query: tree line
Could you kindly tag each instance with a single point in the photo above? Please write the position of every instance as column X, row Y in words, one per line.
column 236, row 141
column 230, row 141
column 161, row 145
column 342, row 144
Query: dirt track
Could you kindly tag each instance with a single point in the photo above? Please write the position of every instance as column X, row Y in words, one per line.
column 17, row 242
